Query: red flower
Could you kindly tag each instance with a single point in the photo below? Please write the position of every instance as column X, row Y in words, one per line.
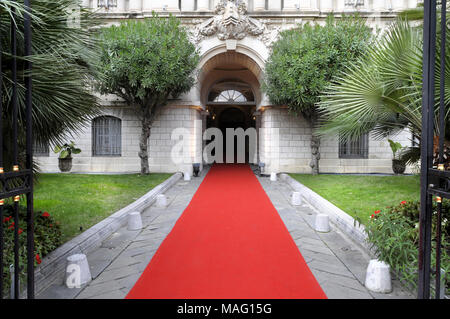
column 38, row 259
column 45, row 214
column 377, row 211
column 51, row 225
column 403, row 202
column 20, row 231
column 6, row 219
column 11, row 226
column 372, row 216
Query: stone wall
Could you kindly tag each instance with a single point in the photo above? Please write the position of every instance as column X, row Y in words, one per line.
column 160, row 143
column 292, row 154
column 379, row 159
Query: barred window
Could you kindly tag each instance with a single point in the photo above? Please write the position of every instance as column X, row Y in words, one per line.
column 106, row 136
column 358, row 148
column 41, row 149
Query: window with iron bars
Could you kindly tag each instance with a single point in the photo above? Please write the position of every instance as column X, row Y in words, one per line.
column 358, row 148
column 106, row 136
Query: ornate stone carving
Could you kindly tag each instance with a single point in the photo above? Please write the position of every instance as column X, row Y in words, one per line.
column 230, row 22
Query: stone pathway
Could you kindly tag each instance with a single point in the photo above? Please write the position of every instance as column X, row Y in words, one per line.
column 121, row 259
column 338, row 264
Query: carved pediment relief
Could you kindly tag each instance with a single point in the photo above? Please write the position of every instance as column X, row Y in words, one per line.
column 231, row 22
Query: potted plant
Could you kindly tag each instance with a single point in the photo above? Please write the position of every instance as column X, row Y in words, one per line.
column 65, row 155
column 398, row 165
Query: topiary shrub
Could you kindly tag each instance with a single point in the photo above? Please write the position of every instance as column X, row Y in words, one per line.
column 47, row 237
column 394, row 235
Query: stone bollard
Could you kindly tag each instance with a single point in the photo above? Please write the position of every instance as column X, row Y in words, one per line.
column 378, row 277
column 296, row 199
column 77, row 271
column 12, row 287
column 442, row 290
column 273, row 177
column 134, row 221
column 322, row 223
column 161, row 200
column 187, row 176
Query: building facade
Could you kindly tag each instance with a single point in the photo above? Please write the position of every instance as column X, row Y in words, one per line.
column 234, row 38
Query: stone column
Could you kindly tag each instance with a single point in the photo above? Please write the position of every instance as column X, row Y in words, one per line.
column 187, row 5
column 399, row 5
column 259, row 5
column 121, row 5
column 379, row 5
column 202, row 5
column 313, row 5
column 291, row 5
column 135, row 5
column 172, row 5
column 257, row 115
column 326, row 5
column 274, row 5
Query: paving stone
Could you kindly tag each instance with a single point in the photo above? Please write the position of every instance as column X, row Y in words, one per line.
column 116, row 294
column 335, row 291
column 99, row 289
column 59, row 291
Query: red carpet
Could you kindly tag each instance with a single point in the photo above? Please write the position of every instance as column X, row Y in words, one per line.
column 229, row 243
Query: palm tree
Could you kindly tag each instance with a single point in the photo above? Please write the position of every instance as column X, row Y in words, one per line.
column 382, row 92
column 63, row 56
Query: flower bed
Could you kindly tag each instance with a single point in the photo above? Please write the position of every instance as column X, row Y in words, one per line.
column 47, row 237
column 394, row 233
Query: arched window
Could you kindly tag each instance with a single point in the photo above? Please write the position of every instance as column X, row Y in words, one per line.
column 106, row 136
column 230, row 96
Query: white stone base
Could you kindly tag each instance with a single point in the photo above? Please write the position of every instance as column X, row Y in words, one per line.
column 134, row 221
column 378, row 277
column 77, row 271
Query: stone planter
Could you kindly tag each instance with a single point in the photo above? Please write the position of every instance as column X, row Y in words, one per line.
column 65, row 164
column 398, row 166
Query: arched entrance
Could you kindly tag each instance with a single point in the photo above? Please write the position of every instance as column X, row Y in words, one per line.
column 231, row 93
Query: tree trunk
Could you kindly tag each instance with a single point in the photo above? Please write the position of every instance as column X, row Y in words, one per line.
column 315, row 148
column 315, row 145
column 143, row 144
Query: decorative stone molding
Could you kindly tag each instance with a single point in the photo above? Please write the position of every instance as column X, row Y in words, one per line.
column 231, row 22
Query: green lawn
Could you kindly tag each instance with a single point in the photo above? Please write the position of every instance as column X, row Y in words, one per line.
column 360, row 196
column 84, row 200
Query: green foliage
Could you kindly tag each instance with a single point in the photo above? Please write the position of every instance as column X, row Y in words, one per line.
column 304, row 60
column 395, row 147
column 79, row 201
column 145, row 62
column 66, row 150
column 382, row 92
column 62, row 60
column 394, row 233
column 359, row 196
column 47, row 237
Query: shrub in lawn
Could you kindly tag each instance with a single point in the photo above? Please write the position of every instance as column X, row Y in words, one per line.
column 47, row 237
column 394, row 234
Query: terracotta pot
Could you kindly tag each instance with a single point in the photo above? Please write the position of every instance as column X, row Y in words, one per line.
column 65, row 164
column 398, row 166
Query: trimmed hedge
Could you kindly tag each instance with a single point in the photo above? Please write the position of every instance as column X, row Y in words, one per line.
column 47, row 237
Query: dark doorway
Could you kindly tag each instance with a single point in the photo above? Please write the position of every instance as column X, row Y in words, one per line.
column 233, row 117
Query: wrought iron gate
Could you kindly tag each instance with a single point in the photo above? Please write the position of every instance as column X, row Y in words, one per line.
column 16, row 183
column 435, row 176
